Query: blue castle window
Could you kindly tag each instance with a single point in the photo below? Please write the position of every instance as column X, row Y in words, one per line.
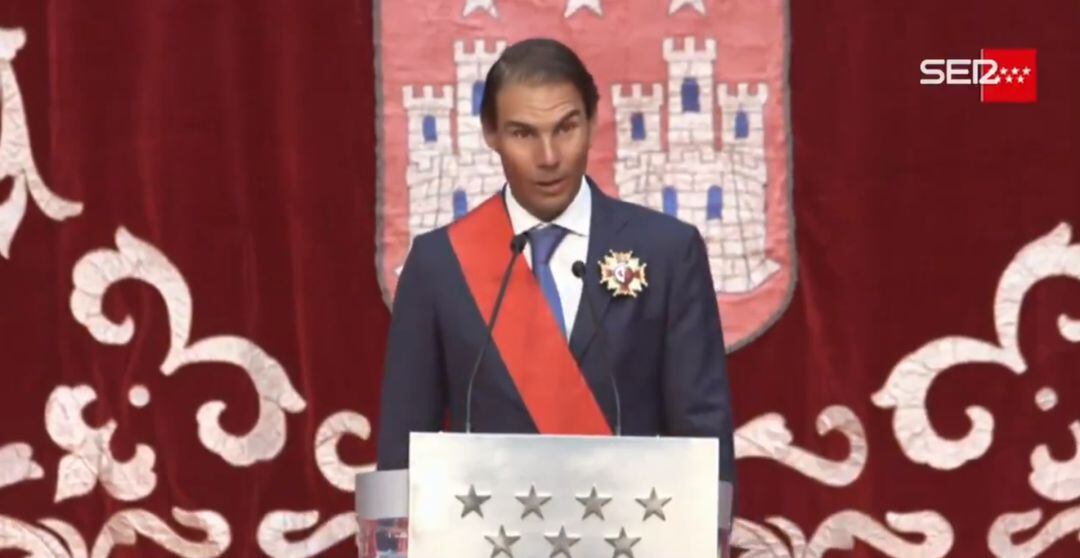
column 742, row 125
column 477, row 97
column 714, row 208
column 671, row 201
column 461, row 204
column 637, row 126
column 431, row 132
column 691, row 95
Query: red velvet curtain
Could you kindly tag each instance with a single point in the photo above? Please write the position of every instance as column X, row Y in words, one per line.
column 236, row 138
column 208, row 169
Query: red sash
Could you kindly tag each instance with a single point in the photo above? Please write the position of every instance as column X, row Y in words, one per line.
column 529, row 341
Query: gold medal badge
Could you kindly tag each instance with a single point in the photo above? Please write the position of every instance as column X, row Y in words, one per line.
column 623, row 274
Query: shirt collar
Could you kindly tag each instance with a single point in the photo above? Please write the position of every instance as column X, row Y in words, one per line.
column 575, row 218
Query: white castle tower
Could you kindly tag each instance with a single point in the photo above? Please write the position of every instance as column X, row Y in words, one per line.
column 722, row 192
column 445, row 182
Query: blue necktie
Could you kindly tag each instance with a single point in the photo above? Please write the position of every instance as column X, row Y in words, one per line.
column 543, row 242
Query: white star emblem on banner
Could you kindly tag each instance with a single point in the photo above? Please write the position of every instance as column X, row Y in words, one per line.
column 474, row 5
column 676, row 5
column 575, row 5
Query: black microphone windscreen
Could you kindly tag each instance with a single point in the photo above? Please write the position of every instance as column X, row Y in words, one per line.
column 517, row 244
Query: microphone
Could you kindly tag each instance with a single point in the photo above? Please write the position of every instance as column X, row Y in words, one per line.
column 579, row 271
column 517, row 245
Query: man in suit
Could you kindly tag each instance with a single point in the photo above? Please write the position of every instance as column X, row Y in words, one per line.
column 549, row 370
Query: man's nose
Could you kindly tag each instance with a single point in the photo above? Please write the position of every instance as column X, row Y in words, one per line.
column 548, row 153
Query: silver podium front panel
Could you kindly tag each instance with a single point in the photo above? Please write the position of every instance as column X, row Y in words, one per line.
column 588, row 496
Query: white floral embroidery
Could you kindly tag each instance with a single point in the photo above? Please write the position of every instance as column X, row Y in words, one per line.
column 17, row 464
column 16, row 156
column 907, row 386
column 840, row 531
column 1057, row 480
column 1000, row 538
column 135, row 259
column 123, row 528
column 768, row 437
column 331, row 432
column 276, row 525
column 89, row 459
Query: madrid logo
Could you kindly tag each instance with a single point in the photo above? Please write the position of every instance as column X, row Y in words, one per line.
column 693, row 121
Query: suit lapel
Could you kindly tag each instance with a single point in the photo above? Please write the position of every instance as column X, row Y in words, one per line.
column 604, row 225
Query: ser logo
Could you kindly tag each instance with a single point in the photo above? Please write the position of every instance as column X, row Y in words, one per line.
column 1003, row 75
column 959, row 71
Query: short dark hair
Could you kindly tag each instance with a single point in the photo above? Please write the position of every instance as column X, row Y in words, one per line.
column 537, row 61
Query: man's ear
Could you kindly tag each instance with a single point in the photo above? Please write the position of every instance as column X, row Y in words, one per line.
column 491, row 136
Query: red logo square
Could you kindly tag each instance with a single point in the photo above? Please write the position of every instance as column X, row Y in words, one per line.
column 1016, row 76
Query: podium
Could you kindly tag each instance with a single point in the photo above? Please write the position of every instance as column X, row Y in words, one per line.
column 522, row 495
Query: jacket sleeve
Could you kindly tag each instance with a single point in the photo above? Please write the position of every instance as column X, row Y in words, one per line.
column 414, row 382
column 697, row 398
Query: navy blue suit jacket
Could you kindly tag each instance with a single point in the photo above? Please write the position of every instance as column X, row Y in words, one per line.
column 666, row 343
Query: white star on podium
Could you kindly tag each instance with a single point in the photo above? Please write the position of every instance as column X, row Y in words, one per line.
column 532, row 503
column 501, row 543
column 676, row 5
column 472, row 502
column 473, row 5
column 654, row 505
column 575, row 5
column 594, row 504
column 623, row 544
column 561, row 543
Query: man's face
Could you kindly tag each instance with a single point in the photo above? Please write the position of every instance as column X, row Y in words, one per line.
column 542, row 136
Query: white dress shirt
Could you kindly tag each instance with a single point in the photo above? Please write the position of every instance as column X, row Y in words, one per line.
column 574, row 246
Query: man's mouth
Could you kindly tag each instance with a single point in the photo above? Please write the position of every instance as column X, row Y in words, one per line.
column 548, row 183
